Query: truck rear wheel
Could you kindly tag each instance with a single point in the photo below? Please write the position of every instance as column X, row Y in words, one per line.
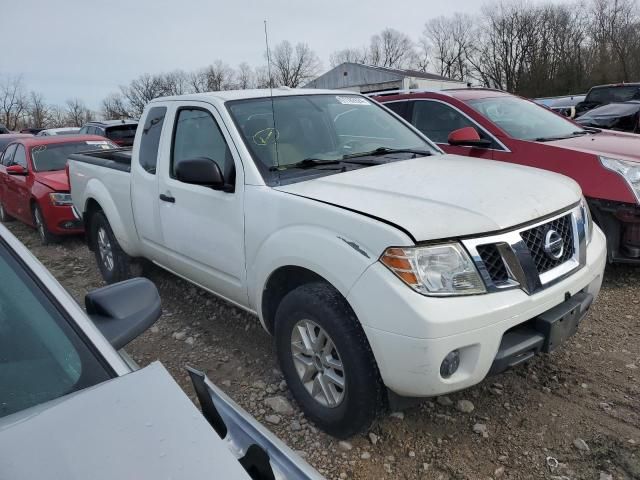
column 327, row 361
column 113, row 262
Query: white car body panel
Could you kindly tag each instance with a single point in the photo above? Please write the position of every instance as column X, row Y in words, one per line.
column 166, row 436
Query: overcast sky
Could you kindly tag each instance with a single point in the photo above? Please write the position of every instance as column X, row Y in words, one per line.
column 86, row 49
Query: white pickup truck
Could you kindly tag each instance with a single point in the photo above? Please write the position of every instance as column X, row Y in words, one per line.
column 374, row 259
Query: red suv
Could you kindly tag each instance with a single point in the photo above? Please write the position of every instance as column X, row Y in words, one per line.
column 491, row 124
column 34, row 186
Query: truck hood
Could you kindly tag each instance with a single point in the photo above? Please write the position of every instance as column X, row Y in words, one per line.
column 625, row 146
column 445, row 196
column 140, row 425
column 56, row 180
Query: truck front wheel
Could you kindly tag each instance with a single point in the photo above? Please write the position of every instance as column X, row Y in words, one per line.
column 327, row 361
column 112, row 261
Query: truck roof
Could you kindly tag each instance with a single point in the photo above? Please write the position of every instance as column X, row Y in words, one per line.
column 227, row 95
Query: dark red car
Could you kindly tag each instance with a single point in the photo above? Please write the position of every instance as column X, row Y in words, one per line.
column 34, row 186
column 491, row 124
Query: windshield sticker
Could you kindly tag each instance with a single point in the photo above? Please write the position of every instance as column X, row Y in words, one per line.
column 266, row 136
column 352, row 100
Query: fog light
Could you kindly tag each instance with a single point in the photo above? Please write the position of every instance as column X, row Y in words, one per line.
column 450, row 364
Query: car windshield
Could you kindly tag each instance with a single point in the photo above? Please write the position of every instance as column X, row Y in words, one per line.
column 614, row 94
column 47, row 158
column 323, row 128
column 525, row 120
column 41, row 355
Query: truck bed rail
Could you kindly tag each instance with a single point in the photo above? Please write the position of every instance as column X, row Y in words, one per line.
column 117, row 159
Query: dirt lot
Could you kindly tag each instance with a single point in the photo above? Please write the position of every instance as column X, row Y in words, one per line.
column 574, row 414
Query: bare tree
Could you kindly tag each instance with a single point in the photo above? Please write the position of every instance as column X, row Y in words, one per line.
column 391, row 48
column 114, row 107
column 450, row 42
column 245, row 76
column 349, row 55
column 293, row 66
column 174, row 83
column 217, row 76
column 37, row 112
column 77, row 113
column 13, row 101
column 140, row 92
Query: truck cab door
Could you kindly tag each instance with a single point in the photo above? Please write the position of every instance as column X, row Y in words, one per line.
column 148, row 154
column 203, row 228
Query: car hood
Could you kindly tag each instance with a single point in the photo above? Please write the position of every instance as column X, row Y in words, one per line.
column 56, row 180
column 445, row 196
column 622, row 145
column 140, row 426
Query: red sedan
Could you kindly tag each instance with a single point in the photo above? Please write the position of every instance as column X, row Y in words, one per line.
column 34, row 186
column 495, row 125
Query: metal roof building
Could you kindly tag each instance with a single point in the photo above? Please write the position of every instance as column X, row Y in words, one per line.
column 369, row 78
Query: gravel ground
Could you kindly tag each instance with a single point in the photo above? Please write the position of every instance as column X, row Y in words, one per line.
column 573, row 414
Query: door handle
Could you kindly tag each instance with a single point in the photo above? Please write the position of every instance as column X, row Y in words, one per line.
column 167, row 198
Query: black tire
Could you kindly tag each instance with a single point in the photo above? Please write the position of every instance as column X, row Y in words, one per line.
column 102, row 239
column 4, row 216
column 46, row 237
column 363, row 393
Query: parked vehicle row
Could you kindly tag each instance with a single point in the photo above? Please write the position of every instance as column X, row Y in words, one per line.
column 490, row 124
column 60, row 372
column 383, row 268
column 565, row 106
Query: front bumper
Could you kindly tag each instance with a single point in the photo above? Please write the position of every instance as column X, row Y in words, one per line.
column 410, row 334
column 621, row 225
column 61, row 220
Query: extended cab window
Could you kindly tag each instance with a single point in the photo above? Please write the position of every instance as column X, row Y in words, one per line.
column 150, row 139
column 437, row 120
column 41, row 356
column 197, row 135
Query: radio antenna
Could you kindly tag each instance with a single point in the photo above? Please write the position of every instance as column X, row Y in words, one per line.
column 273, row 110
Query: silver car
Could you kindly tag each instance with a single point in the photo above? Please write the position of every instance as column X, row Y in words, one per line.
column 72, row 407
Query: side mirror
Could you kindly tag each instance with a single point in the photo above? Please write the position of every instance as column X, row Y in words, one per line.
column 124, row 310
column 200, row 171
column 16, row 170
column 467, row 137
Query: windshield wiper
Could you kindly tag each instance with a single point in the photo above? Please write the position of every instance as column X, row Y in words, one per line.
column 306, row 163
column 386, row 151
column 577, row 133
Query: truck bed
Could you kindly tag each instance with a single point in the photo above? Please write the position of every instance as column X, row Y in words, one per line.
column 118, row 159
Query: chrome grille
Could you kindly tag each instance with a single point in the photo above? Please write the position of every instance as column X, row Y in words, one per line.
column 518, row 259
column 494, row 263
column 534, row 238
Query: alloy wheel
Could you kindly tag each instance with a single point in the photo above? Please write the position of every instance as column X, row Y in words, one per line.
column 318, row 363
column 105, row 249
column 40, row 226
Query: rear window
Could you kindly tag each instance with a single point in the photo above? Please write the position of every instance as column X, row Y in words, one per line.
column 122, row 132
column 614, row 94
column 52, row 157
column 41, row 355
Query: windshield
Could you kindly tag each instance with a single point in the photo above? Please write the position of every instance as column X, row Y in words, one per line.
column 41, row 356
column 319, row 127
column 52, row 157
column 524, row 120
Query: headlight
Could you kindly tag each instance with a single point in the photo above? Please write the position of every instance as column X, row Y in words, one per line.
column 630, row 171
column 60, row 199
column 587, row 219
column 444, row 269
